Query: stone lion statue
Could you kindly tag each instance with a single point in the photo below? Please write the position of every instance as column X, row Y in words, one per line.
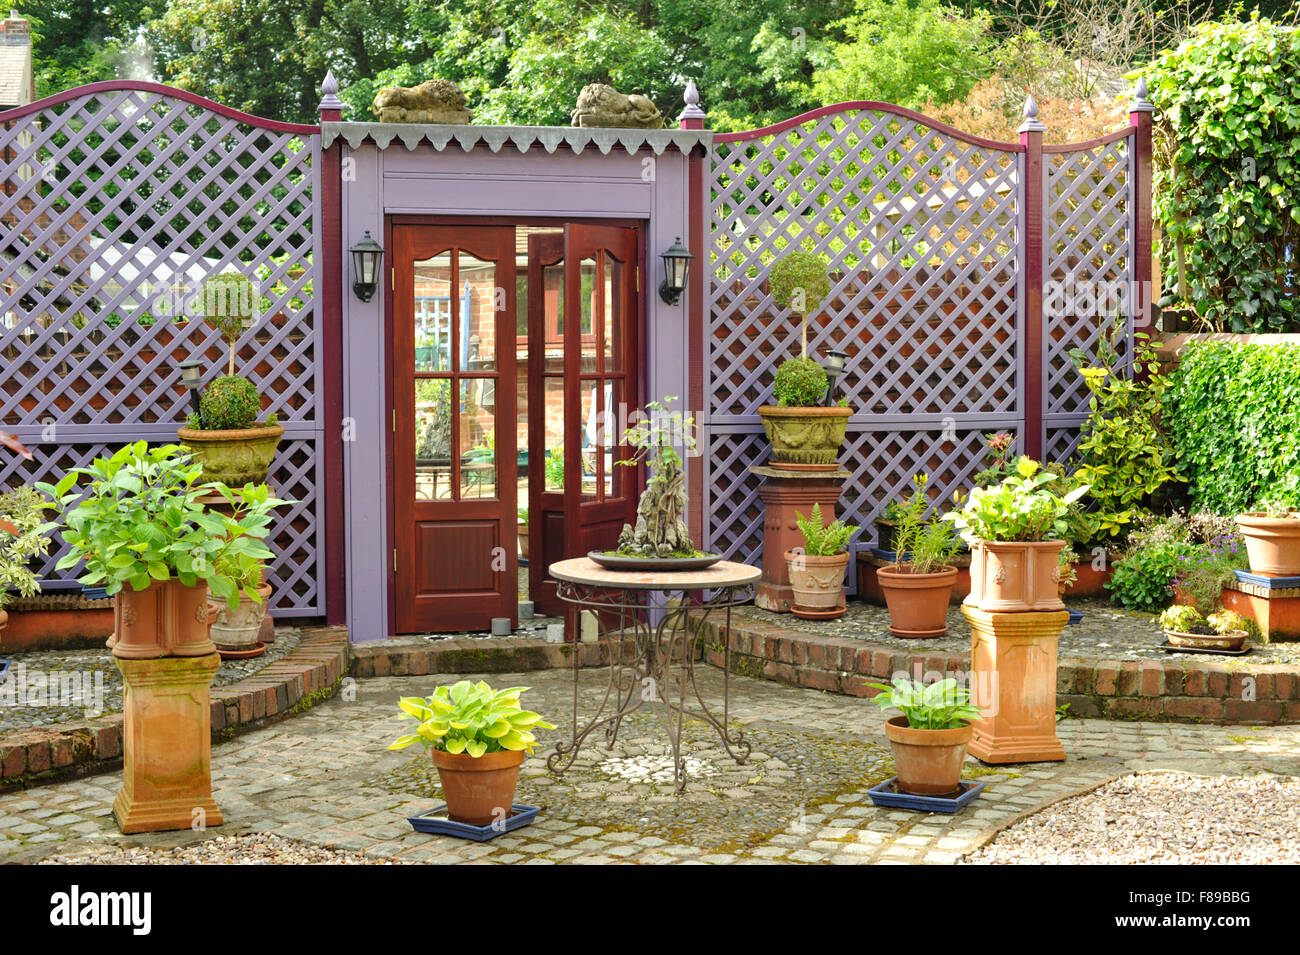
column 602, row 105
column 434, row 101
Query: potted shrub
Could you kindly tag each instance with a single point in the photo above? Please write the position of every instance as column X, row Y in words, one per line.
column 929, row 740
column 478, row 738
column 1016, row 530
column 225, row 436
column 235, row 631
column 1184, row 626
column 24, row 536
column 804, row 434
column 817, row 573
column 140, row 521
column 917, row 591
column 1272, row 535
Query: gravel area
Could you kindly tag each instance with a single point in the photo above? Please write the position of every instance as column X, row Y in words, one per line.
column 63, row 685
column 1166, row 818
column 1106, row 632
column 258, row 849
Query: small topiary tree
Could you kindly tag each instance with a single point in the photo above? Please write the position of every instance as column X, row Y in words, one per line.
column 800, row 281
column 800, row 383
column 231, row 403
column 228, row 306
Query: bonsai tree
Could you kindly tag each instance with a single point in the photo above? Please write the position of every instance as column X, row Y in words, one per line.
column 800, row 282
column 660, row 529
column 24, row 536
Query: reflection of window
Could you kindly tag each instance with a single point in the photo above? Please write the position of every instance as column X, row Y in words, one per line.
column 433, row 331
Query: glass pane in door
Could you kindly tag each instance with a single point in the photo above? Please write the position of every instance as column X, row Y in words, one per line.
column 433, row 314
column 479, row 301
column 477, row 434
column 433, row 436
column 613, row 333
column 553, row 430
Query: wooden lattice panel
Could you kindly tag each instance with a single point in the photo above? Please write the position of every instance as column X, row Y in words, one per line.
column 118, row 201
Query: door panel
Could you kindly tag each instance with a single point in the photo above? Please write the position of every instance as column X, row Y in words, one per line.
column 454, row 483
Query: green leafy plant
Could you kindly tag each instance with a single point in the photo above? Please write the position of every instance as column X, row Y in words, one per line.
column 228, row 306
column 229, row 403
column 139, row 519
column 470, row 718
column 1228, row 171
column 998, row 459
column 24, row 536
column 521, row 515
column 1128, row 458
column 1030, row 505
column 1230, row 411
column 823, row 540
column 1067, row 564
column 799, row 383
column 928, row 545
column 1226, row 621
column 554, row 467
column 1180, row 618
column 1144, row 578
column 799, row 281
column 942, row 705
column 1203, row 572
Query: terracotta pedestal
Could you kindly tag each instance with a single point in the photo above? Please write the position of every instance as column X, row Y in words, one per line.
column 783, row 493
column 1013, row 663
column 167, row 739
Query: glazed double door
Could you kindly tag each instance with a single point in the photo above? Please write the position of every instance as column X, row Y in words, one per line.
column 500, row 404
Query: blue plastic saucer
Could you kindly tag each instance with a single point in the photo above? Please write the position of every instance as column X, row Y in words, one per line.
column 435, row 822
column 885, row 795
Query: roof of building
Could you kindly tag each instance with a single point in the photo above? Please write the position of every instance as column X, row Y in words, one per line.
column 523, row 138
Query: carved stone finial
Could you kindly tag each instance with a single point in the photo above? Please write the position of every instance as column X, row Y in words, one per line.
column 692, row 99
column 1140, row 103
column 1031, row 123
column 329, row 88
column 433, row 101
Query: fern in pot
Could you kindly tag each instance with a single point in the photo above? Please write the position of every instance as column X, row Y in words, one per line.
column 817, row 571
column 917, row 589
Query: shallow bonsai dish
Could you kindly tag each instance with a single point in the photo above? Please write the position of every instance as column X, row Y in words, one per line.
column 885, row 794
column 1171, row 648
column 1232, row 641
column 620, row 562
column 436, row 822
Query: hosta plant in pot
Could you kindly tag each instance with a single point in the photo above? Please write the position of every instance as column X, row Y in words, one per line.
column 24, row 537
column 929, row 740
column 478, row 738
column 1272, row 535
column 140, row 526
column 1016, row 530
column 229, row 442
column 817, row 571
column 917, row 590
column 804, row 433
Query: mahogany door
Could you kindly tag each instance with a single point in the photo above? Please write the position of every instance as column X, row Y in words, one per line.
column 588, row 284
column 454, row 481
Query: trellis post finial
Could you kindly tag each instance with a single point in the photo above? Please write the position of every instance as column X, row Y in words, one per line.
column 1140, row 103
column 692, row 117
column 331, row 107
column 1031, row 123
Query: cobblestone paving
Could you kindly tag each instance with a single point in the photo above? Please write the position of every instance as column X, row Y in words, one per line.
column 325, row 779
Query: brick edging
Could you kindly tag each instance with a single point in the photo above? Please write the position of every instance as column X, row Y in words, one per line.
column 418, row 656
column 1183, row 691
column 308, row 674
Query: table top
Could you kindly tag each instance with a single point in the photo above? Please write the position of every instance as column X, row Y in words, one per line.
column 584, row 570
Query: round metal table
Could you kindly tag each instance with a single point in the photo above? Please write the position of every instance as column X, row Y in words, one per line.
column 651, row 647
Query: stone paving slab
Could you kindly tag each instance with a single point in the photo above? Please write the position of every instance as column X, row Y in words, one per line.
column 325, row 778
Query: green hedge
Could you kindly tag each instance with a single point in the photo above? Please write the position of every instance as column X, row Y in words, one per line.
column 1234, row 414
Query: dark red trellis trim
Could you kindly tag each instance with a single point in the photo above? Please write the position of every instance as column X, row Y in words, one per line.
column 112, row 86
column 1033, row 191
column 330, row 276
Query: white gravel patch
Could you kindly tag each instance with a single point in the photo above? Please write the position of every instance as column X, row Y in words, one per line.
column 1166, row 818
column 259, row 849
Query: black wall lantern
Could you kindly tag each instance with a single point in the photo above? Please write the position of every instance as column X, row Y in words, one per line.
column 677, row 261
column 367, row 255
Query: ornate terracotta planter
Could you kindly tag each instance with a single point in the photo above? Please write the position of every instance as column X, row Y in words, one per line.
column 234, row 458
column 817, row 582
column 1272, row 544
column 1015, row 576
column 918, row 603
column 805, row 438
column 478, row 790
column 928, row 761
column 166, row 619
column 238, row 629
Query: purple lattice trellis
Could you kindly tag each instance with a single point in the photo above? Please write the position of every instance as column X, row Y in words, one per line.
column 119, row 199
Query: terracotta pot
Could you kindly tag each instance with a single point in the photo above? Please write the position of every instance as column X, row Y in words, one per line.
column 918, row 603
column 1231, row 640
column 239, row 629
column 234, row 458
column 523, row 541
column 928, row 761
column 4, row 619
column 817, row 582
column 1272, row 544
column 166, row 619
column 478, row 789
column 1015, row 576
column 805, row 438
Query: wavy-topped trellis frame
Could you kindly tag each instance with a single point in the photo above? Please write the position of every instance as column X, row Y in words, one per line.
column 927, row 233
column 118, row 199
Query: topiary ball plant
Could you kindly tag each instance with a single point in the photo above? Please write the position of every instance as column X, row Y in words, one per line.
column 800, row 281
column 800, row 383
column 230, row 403
column 229, row 307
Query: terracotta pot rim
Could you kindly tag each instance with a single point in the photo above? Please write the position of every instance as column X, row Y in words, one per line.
column 488, row 762
column 240, row 434
column 896, row 729
column 906, row 580
column 811, row 411
column 1260, row 520
column 993, row 545
column 818, row 560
